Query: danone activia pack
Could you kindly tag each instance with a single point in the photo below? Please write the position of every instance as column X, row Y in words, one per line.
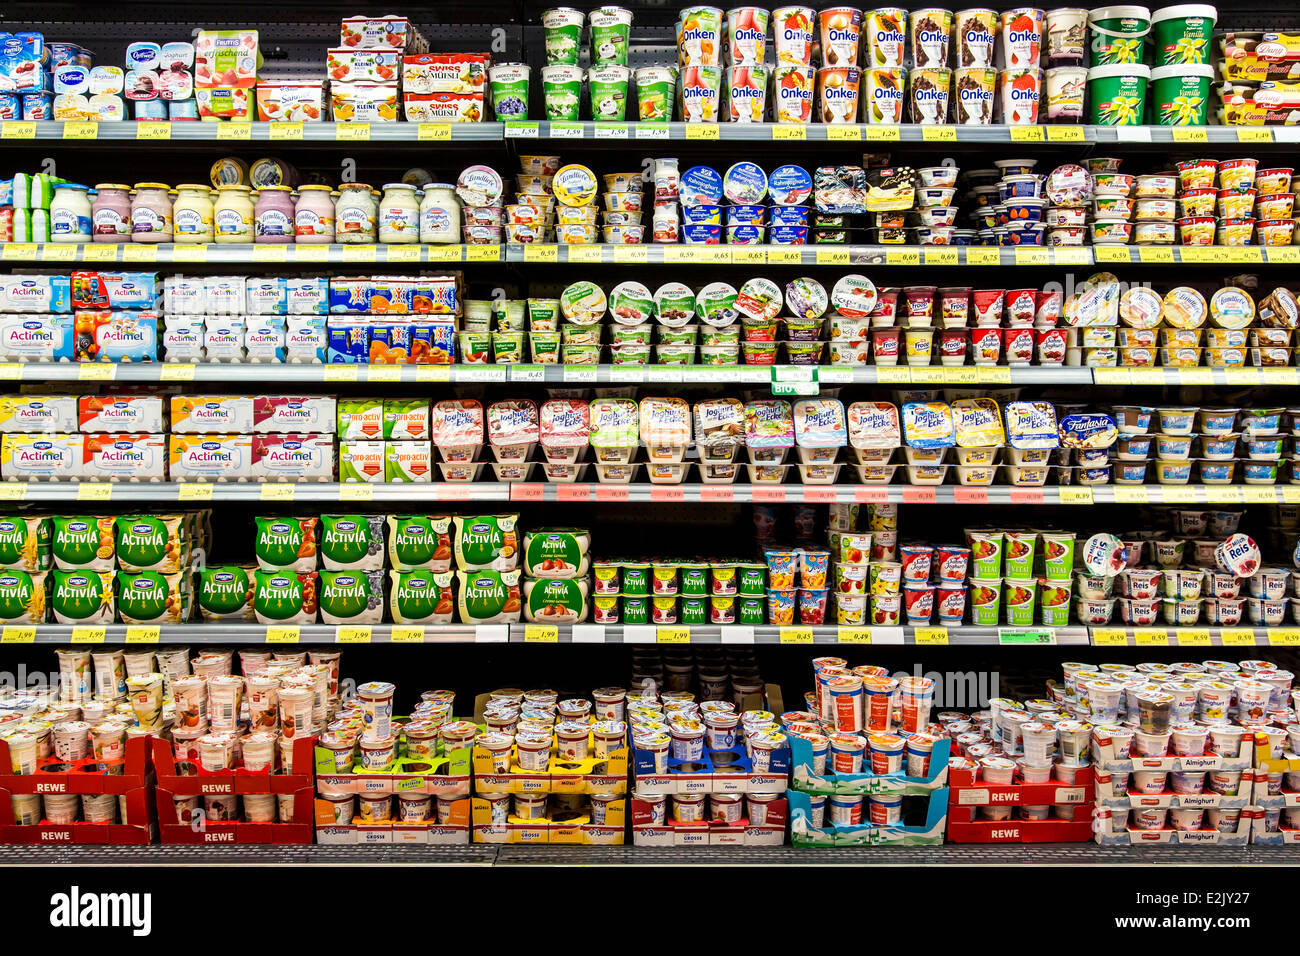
column 419, row 542
column 486, row 542
column 556, row 553
column 488, row 597
column 83, row 597
column 25, row 542
column 286, row 543
column 152, row 597
column 225, row 593
column 82, row 542
column 352, row 597
column 352, row 542
column 22, row 596
column 555, row 600
column 284, row 597
column 421, row 597
column 152, row 542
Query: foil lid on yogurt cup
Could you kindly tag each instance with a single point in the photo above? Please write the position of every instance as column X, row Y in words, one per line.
column 759, row 299
column 745, row 183
column 1088, row 431
column 854, row 297
column 875, row 425
column 977, row 422
column 700, row 186
column 789, row 185
column 806, row 298
column 1184, row 308
column 769, row 423
column 928, row 425
column 1238, row 555
column 819, row 423
column 1103, row 554
column 1031, row 425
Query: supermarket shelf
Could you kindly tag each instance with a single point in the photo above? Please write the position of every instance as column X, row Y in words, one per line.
column 163, row 133
column 242, row 253
column 38, row 492
column 544, row 374
column 265, row 254
column 1066, row 137
column 1227, row 637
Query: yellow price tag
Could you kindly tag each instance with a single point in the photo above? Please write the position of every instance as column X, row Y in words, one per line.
column 701, row 130
column 1193, row 637
column 796, row 635
column 1065, row 134
column 993, row 375
column 931, row 635
column 277, row 491
column 853, row 635
column 18, row 129
column 189, row 252
column 1174, row 495
column 630, row 254
column 136, row 634
column 939, row 134
column 1254, row 134
column 356, row 491
column 583, row 253
column 18, row 635
column 19, row 250
column 1259, row 496
column 434, row 132
column 789, row 132
column 339, row 373
column 88, row 635
column 401, row 253
column 153, row 130
column 1130, row 496
column 139, row 252
column 1284, row 637
column 1216, row 495
column 748, row 256
column 13, row 490
column 176, row 372
column 1111, row 376
column 1286, row 255
column 1072, row 495
column 882, row 134
column 279, row 132
column 832, row 257
column 194, row 491
column 902, row 257
column 784, row 256
column 383, row 373
column 283, row 633
column 541, row 634
column 270, row 253
column 59, row 252
column 357, row 634
column 673, row 635
column 1109, row 637
column 352, row 132
column 400, row 634
column 1033, row 257
column 81, row 131
column 838, row 133
column 1108, row 253
column 94, row 490
column 545, row 252
column 309, row 253
column 1150, row 637
column 1236, row 637
column 485, row 253
column 96, row 372
column 941, row 257
column 232, row 131
column 101, row 252
column 1065, row 256
column 1189, row 134
column 433, row 373
column 982, row 256
column 11, row 371
column 1027, row 134
column 1155, row 254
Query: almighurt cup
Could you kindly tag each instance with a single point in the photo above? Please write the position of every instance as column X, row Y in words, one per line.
column 562, row 27
column 1064, row 90
column 886, row 39
column 976, row 33
column 931, row 35
column 145, row 694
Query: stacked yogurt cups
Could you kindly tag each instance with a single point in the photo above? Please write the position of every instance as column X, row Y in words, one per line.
column 531, row 217
column 1234, row 203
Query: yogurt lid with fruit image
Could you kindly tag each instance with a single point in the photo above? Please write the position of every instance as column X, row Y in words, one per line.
column 630, row 303
column 1087, row 431
column 700, row 186
column 874, row 425
column 928, row 425
column 819, row 423
column 614, row 423
column 1103, row 554
column 1068, row 185
column 665, row 421
column 456, row 422
column 977, row 422
column 479, row 186
column 719, row 422
column 759, row 299
column 1139, row 308
column 565, row 423
column 716, row 304
column 1184, row 308
column 854, row 297
column 790, row 186
column 1238, row 555
column 769, row 423
column 1031, row 425
column 745, row 184
column 1232, row 308
column 512, row 421
column 806, row 298
column 583, row 303
column 675, row 304
column 574, row 185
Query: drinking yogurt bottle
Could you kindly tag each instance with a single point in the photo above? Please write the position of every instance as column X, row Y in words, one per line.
column 746, row 36
column 792, row 34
